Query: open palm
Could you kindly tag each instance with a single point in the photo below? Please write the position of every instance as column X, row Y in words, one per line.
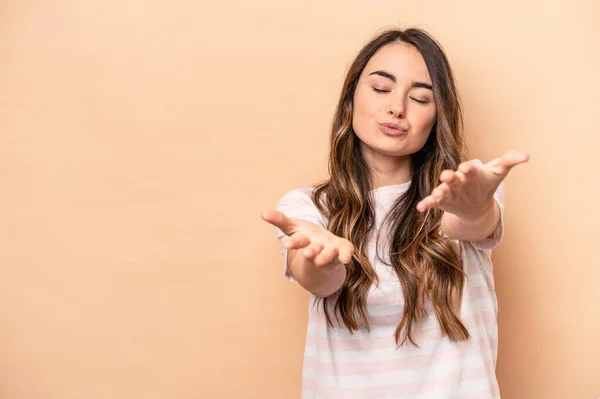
column 318, row 243
column 469, row 191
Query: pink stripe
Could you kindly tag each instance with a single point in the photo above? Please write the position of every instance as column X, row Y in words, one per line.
column 335, row 345
column 397, row 364
column 363, row 343
column 482, row 345
column 449, row 382
column 482, row 292
column 366, row 343
column 386, row 294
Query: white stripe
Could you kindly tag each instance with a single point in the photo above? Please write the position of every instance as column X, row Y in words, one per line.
column 468, row 387
column 430, row 373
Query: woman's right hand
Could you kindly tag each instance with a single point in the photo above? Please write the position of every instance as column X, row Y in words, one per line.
column 320, row 245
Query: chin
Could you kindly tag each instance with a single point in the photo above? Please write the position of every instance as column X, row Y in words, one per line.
column 393, row 152
column 389, row 146
column 397, row 154
column 393, row 149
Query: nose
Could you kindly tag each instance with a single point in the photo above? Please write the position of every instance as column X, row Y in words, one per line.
column 396, row 108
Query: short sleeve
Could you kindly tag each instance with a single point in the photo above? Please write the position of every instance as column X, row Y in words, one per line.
column 487, row 244
column 297, row 203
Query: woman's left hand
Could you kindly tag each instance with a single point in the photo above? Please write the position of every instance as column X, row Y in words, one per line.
column 469, row 192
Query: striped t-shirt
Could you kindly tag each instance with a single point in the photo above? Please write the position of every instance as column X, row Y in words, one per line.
column 369, row 365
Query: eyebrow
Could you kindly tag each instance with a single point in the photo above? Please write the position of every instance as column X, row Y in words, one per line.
column 393, row 79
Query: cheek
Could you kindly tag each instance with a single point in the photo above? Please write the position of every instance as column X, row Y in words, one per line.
column 361, row 110
column 367, row 105
column 424, row 119
column 361, row 102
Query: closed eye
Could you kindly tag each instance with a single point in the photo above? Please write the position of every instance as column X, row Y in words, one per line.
column 381, row 90
column 412, row 98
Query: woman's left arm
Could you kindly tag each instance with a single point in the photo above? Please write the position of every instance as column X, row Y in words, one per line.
column 467, row 197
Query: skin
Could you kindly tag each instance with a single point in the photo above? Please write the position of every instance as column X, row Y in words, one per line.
column 395, row 88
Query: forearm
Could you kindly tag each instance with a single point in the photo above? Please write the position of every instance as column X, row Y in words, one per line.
column 321, row 281
column 473, row 227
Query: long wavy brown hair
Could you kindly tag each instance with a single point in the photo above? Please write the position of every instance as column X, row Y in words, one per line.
column 427, row 264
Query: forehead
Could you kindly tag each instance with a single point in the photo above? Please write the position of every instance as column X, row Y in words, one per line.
column 401, row 60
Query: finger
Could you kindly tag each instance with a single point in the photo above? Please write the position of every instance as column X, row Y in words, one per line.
column 442, row 191
column 512, row 159
column 452, row 179
column 427, row 203
column 447, row 176
column 438, row 194
column 345, row 253
column 313, row 249
column 279, row 220
column 296, row 241
column 509, row 160
column 467, row 171
column 327, row 255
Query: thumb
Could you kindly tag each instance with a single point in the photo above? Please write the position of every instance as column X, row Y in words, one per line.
column 279, row 220
column 508, row 161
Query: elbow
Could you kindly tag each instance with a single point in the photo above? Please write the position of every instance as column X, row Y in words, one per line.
column 324, row 293
column 330, row 285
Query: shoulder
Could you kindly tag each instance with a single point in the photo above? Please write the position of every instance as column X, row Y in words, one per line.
column 298, row 202
column 298, row 196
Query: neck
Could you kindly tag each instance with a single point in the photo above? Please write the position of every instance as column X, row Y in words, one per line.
column 388, row 170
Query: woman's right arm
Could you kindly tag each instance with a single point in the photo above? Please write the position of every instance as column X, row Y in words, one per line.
column 315, row 257
column 321, row 281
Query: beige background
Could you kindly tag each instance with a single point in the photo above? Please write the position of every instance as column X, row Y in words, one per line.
column 140, row 140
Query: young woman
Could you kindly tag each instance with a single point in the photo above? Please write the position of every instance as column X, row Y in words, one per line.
column 395, row 247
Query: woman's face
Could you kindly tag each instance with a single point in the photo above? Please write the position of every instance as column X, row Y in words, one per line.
column 394, row 110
